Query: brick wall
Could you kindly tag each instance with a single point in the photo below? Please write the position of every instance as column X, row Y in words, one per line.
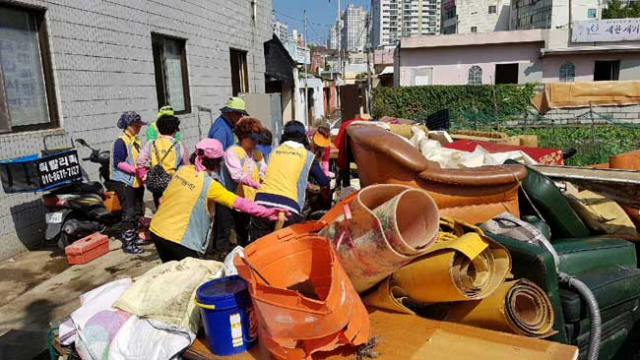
column 619, row 114
column 103, row 65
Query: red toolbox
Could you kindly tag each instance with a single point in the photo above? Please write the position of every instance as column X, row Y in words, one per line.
column 87, row 249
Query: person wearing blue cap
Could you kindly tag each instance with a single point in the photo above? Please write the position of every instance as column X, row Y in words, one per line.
column 127, row 184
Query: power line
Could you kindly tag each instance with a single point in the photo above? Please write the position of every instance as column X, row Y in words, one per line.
column 299, row 20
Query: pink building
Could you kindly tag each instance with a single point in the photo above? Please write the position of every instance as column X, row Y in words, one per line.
column 515, row 57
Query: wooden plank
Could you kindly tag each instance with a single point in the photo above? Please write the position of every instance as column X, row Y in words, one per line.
column 621, row 186
column 414, row 338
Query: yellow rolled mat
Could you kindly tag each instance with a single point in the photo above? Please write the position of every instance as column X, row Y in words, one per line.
column 462, row 265
column 518, row 306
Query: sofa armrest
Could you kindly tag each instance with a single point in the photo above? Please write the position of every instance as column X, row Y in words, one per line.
column 479, row 176
column 381, row 141
column 536, row 264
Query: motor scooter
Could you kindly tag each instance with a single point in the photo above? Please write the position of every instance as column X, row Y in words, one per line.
column 81, row 208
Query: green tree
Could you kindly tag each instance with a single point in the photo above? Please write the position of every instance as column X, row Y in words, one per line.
column 615, row 10
column 633, row 10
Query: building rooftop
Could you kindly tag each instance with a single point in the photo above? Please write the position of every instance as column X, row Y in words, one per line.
column 473, row 39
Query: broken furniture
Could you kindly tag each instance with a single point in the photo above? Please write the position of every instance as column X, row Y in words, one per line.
column 621, row 186
column 473, row 195
column 608, row 266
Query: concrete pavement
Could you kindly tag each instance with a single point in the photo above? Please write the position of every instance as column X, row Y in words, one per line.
column 40, row 289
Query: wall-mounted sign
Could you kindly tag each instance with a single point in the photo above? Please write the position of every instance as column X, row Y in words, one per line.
column 606, row 30
column 58, row 168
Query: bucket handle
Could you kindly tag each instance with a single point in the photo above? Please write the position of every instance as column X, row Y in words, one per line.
column 204, row 306
column 254, row 270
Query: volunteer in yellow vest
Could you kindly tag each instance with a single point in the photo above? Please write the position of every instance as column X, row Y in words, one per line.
column 165, row 151
column 243, row 168
column 285, row 182
column 152, row 130
column 127, row 184
column 181, row 226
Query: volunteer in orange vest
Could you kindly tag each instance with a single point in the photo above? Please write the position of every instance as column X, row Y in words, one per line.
column 181, row 226
column 127, row 184
column 165, row 151
column 243, row 168
column 285, row 182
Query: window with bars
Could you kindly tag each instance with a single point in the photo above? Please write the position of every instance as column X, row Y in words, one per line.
column 492, row 9
column 475, row 75
column 27, row 93
column 567, row 72
column 172, row 78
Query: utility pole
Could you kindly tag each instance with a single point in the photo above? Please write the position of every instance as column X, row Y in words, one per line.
column 340, row 37
column 339, row 42
column 369, row 80
column 570, row 17
column 306, row 72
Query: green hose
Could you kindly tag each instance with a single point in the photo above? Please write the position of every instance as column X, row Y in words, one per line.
column 53, row 354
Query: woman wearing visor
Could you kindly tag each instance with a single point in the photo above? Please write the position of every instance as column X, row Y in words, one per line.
column 244, row 167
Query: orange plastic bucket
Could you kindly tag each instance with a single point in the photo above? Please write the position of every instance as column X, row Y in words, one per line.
column 309, row 303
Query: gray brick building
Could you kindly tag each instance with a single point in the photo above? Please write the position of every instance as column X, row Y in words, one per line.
column 74, row 65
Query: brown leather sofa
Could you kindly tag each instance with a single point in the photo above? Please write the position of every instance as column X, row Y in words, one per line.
column 473, row 195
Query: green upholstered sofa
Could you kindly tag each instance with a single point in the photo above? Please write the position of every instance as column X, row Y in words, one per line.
column 608, row 266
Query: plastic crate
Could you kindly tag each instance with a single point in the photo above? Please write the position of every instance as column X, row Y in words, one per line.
column 87, row 249
column 35, row 173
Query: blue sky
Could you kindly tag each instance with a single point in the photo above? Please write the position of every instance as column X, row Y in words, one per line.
column 320, row 13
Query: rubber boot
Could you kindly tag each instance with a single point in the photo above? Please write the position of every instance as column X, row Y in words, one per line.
column 129, row 245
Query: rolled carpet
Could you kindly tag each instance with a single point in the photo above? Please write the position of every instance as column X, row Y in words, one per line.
column 518, row 306
column 380, row 230
column 463, row 265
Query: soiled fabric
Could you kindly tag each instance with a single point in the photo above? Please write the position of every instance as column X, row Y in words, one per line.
column 382, row 229
column 463, row 265
column 146, row 339
column 510, row 226
column 601, row 214
column 166, row 292
column 96, row 323
column 453, row 158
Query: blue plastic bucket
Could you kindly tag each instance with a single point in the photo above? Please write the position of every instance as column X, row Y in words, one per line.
column 225, row 306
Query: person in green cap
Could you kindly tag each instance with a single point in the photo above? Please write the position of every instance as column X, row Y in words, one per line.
column 222, row 128
column 152, row 129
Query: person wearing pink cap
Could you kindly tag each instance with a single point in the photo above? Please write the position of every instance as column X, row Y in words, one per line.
column 181, row 226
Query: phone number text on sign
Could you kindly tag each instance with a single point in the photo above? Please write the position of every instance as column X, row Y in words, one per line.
column 59, row 168
column 60, row 175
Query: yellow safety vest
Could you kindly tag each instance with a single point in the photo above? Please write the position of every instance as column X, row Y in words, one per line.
column 183, row 217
